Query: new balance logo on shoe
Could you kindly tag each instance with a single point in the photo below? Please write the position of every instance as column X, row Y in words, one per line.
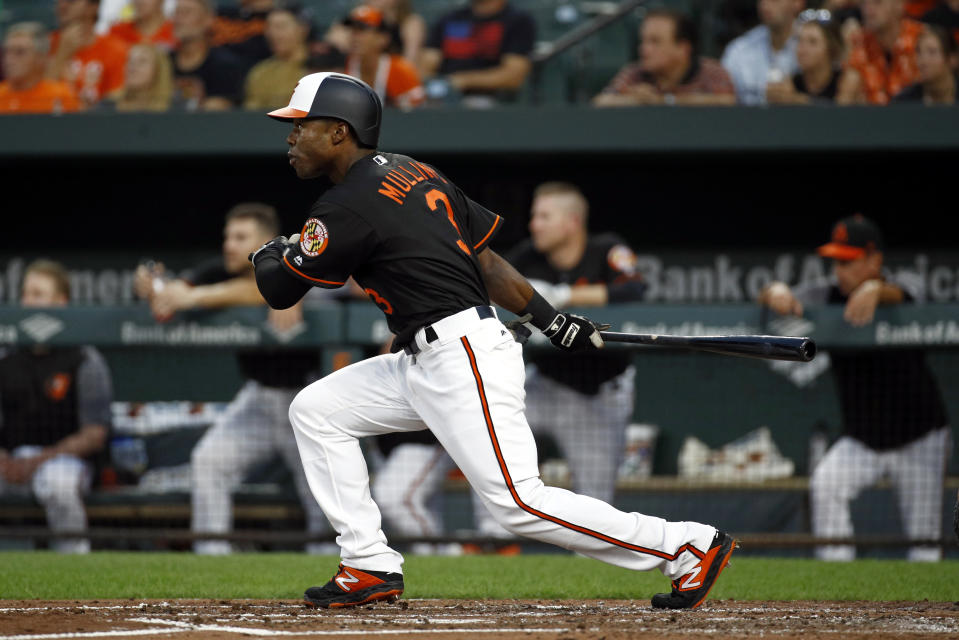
column 343, row 580
column 690, row 590
column 687, row 580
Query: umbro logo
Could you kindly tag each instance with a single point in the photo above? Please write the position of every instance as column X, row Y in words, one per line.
column 342, row 580
column 41, row 327
column 298, row 260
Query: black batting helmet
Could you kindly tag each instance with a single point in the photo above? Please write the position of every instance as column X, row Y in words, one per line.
column 339, row 96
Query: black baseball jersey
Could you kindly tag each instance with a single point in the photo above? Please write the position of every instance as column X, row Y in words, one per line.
column 271, row 367
column 46, row 396
column 888, row 398
column 407, row 235
column 607, row 259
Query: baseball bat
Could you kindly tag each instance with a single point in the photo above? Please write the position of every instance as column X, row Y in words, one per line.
column 765, row 347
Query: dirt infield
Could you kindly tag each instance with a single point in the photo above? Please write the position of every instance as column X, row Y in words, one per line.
column 460, row 620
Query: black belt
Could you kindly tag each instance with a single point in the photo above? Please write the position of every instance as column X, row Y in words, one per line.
column 411, row 348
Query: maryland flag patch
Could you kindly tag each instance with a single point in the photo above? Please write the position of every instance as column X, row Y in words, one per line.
column 313, row 238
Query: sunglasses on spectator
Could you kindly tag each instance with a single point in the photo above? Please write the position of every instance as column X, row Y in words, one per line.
column 823, row 16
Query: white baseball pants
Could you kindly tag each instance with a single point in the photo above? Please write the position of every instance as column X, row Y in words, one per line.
column 467, row 387
column 252, row 430
column 589, row 429
column 916, row 470
column 406, row 482
column 58, row 485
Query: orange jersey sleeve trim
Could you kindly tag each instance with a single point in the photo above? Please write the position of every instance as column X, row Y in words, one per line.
column 488, row 233
column 303, row 275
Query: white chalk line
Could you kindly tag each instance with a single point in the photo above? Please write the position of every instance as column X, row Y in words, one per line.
column 927, row 624
column 95, row 634
column 144, row 605
column 186, row 626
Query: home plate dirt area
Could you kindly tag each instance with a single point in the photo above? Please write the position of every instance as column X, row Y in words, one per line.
column 461, row 620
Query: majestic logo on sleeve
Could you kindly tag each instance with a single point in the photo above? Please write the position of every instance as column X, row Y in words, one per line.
column 313, row 238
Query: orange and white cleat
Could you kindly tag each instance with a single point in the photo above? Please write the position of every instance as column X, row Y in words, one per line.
column 690, row 590
column 351, row 587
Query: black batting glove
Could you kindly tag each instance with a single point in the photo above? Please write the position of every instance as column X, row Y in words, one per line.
column 565, row 330
column 275, row 247
column 574, row 333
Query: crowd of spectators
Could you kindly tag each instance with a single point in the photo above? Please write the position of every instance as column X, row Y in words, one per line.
column 196, row 55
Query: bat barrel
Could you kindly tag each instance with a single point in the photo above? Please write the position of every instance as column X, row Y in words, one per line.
column 750, row 346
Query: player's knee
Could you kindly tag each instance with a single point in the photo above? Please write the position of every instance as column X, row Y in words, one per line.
column 299, row 409
column 826, row 482
column 53, row 486
column 206, row 457
column 309, row 414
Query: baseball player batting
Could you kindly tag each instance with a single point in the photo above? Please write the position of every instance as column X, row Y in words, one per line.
column 419, row 248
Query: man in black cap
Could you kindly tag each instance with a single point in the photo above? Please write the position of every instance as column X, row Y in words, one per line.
column 894, row 418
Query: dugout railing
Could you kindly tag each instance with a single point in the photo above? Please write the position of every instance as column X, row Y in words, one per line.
column 711, row 400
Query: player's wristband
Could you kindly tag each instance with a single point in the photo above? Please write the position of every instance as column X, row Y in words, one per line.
column 542, row 311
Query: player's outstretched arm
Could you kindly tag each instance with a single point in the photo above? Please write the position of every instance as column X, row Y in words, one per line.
column 509, row 289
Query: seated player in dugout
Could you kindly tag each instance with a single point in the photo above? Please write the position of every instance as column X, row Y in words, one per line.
column 254, row 428
column 419, row 248
column 55, row 415
column 583, row 400
column 893, row 414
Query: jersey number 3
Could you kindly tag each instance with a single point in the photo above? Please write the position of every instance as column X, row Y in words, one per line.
column 435, row 195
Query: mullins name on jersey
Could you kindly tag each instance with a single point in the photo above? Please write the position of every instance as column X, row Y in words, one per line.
column 398, row 182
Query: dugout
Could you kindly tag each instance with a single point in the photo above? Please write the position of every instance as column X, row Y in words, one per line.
column 693, row 187
column 185, row 370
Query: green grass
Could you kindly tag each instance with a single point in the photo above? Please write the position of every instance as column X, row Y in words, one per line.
column 43, row 575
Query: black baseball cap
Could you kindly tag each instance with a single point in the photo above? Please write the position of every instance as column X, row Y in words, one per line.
column 366, row 17
column 852, row 238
